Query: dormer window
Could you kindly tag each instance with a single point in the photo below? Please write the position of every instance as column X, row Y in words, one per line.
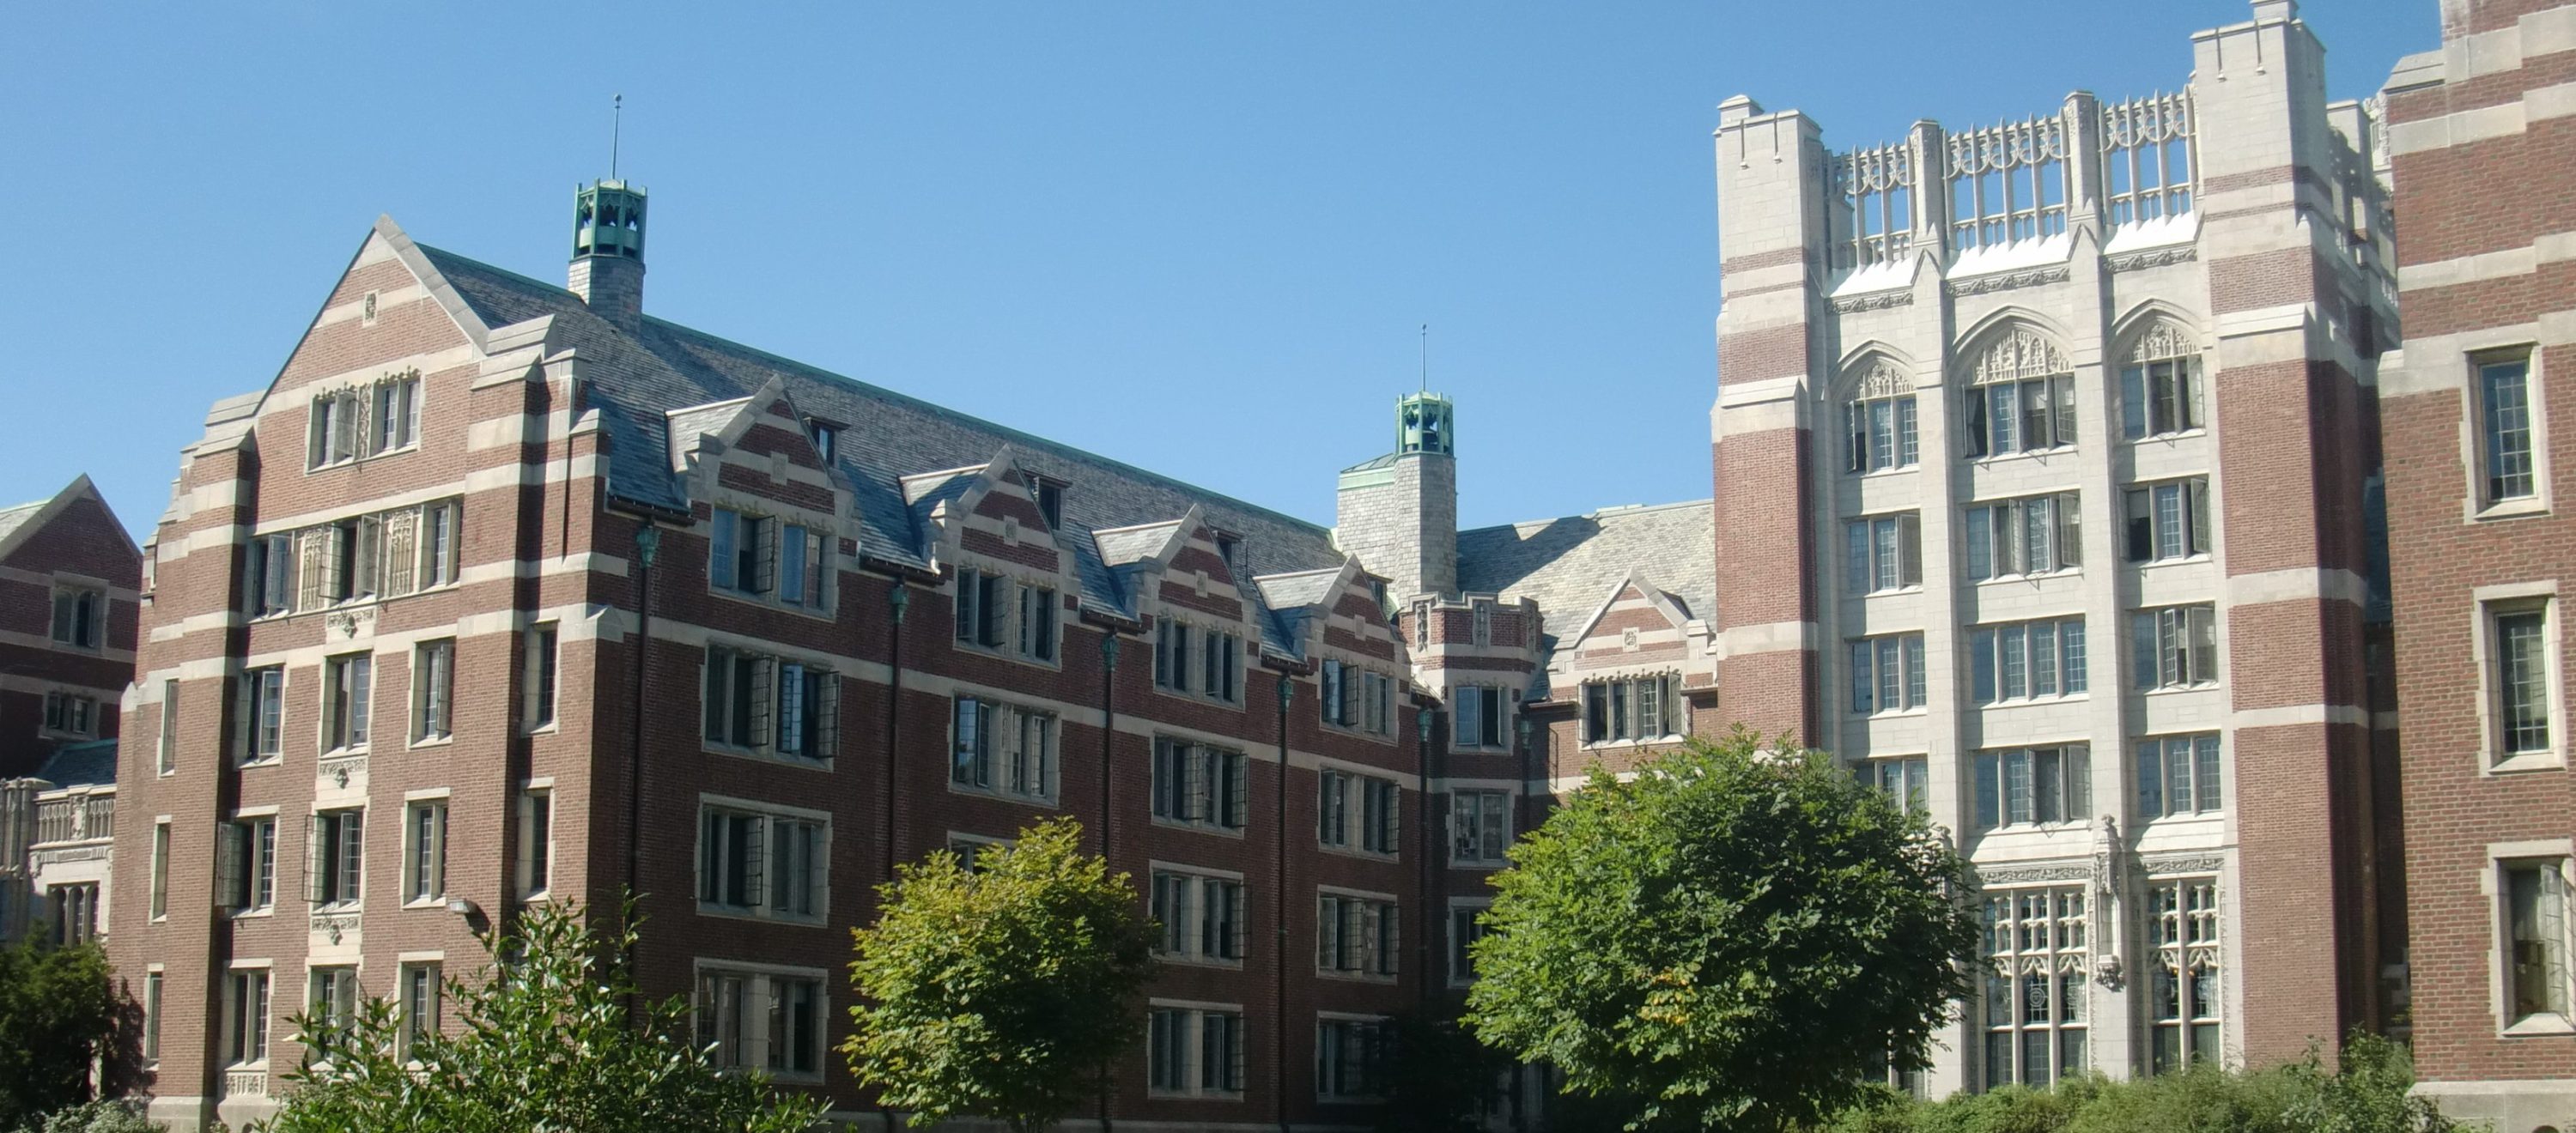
column 741, row 557
column 996, row 613
column 1230, row 548
column 826, row 438
column 79, row 611
column 1050, row 500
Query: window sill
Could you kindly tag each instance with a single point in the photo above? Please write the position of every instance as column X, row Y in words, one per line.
column 546, row 729
column 270, row 761
column 1196, row 1095
column 1890, row 714
column 248, row 914
column 2171, row 690
column 1892, row 591
column 2058, row 827
column 1355, row 977
column 1234, row 705
column 2022, row 454
column 1356, row 732
column 1608, row 745
column 2195, row 559
column 2178, row 435
column 2029, row 577
column 344, row 752
column 435, row 741
column 2546, row 1023
column 1875, row 473
column 1168, row 823
column 1478, row 863
column 438, row 903
column 753, row 913
column 996, row 793
column 763, row 756
column 770, row 601
column 2511, row 509
column 2031, row 701
column 1363, row 854
column 2526, row 763
column 2184, row 817
column 1216, row 962
column 1053, row 664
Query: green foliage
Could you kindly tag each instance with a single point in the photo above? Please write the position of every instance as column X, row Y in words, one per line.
column 549, row 1041
column 106, row 1115
column 1439, row 1076
column 1730, row 937
column 1001, row 992
column 2367, row 1095
column 56, row 1015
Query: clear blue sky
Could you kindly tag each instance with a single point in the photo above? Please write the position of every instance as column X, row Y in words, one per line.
column 1196, row 237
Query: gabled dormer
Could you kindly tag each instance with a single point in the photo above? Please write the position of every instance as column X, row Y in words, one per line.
column 1636, row 666
column 1206, row 624
column 1336, row 620
column 776, row 515
column 1013, row 581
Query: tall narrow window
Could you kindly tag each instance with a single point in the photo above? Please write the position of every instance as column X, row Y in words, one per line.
column 421, row 994
column 347, row 692
column 2183, row 1002
column 2035, row 1007
column 2518, row 641
column 335, row 865
column 246, row 865
column 433, row 691
column 160, row 869
column 152, row 1017
column 425, row 852
column 2535, row 915
column 536, row 843
column 537, row 676
column 2504, row 412
column 79, row 614
column 246, row 1017
column 167, row 754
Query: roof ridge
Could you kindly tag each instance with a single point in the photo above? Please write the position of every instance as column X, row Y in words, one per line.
column 1616, row 510
column 1008, row 433
column 495, row 269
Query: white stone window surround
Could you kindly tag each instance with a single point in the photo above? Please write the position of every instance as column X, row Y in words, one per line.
column 1458, row 976
column 1192, row 1049
column 1680, row 706
column 349, row 432
column 821, row 527
column 1194, row 913
column 2485, row 603
column 2478, row 353
column 1008, row 716
column 765, row 652
column 1355, row 687
column 1371, row 908
column 1198, row 630
column 755, row 1031
column 2010, row 352
column 2499, row 855
column 1015, row 579
column 769, row 814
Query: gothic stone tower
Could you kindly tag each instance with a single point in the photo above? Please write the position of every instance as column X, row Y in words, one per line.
column 2040, row 453
column 1399, row 512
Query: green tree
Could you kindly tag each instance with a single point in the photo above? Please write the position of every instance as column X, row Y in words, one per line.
column 1732, row 936
column 56, row 1016
column 548, row 1042
column 1001, row 991
column 1439, row 1076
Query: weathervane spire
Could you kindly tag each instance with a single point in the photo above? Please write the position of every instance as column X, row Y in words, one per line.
column 616, row 127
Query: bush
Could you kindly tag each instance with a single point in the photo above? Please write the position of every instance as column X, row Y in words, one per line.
column 107, row 1115
column 2367, row 1094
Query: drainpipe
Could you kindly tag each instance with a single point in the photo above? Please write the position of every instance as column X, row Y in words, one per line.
column 1529, row 752
column 1279, row 917
column 648, row 547
column 1108, row 737
column 1434, row 894
column 897, row 601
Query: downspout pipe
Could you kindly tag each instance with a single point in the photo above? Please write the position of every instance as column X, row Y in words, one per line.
column 1279, row 917
column 648, row 547
column 1435, row 895
column 1108, row 744
column 898, row 600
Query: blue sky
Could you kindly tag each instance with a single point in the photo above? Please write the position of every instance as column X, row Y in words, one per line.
column 1196, row 237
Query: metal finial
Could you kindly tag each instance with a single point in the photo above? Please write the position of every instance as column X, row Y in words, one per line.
column 616, row 127
column 1426, row 357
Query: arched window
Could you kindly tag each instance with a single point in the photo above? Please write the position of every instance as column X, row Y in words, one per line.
column 2020, row 397
column 1878, row 419
column 2160, row 386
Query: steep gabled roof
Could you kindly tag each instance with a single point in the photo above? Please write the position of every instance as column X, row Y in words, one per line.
column 635, row 379
column 19, row 522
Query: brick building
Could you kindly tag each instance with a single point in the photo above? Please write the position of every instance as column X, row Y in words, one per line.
column 69, row 579
column 2042, row 453
column 2481, row 138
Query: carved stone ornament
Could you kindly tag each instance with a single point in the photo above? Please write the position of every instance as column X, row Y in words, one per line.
column 2154, row 258
column 334, row 926
column 344, row 768
column 2183, row 863
column 2006, row 281
column 2023, row 353
column 2162, row 340
column 1882, row 378
column 2044, row 871
column 1874, row 301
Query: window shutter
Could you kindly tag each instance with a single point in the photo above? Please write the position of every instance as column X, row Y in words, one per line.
column 1212, row 662
column 827, row 715
column 792, row 557
column 755, row 894
column 965, row 605
column 2142, row 649
column 763, row 700
column 1328, row 920
column 1163, row 652
column 764, row 550
column 1202, row 789
column 229, row 870
column 1354, row 943
column 1497, row 822
column 1331, row 689
column 1238, row 789
column 1469, row 725
column 1234, row 918
column 2201, row 543
column 1394, row 817
column 2070, row 530
column 317, row 858
column 402, row 555
column 353, row 855
column 1028, row 621
column 1390, row 939
column 316, row 569
column 317, row 432
column 1324, row 807
column 62, row 615
column 1369, row 915
column 723, row 530
column 410, row 398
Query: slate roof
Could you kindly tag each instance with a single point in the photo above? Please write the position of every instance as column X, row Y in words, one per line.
column 11, row 518
column 1569, row 564
column 86, row 764
column 637, row 379
column 655, row 386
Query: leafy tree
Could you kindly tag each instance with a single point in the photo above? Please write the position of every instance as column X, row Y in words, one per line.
column 549, row 1042
column 56, row 1016
column 1002, row 991
column 1732, row 936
